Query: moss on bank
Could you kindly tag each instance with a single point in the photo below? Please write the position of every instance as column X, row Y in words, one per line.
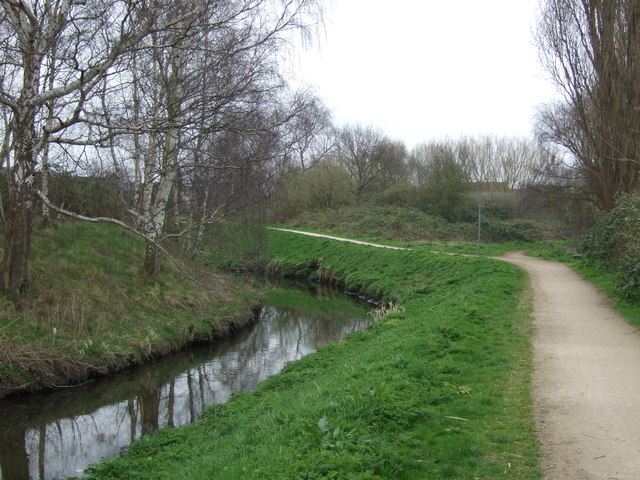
column 91, row 311
column 440, row 389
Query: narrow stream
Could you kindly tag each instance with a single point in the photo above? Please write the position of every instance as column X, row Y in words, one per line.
column 56, row 435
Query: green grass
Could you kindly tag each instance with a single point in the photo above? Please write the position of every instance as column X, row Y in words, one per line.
column 409, row 227
column 438, row 390
column 233, row 246
column 90, row 310
column 463, row 248
column 486, row 249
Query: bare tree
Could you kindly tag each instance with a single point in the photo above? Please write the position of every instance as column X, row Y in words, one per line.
column 392, row 155
column 591, row 48
column 217, row 75
column 497, row 163
column 368, row 155
column 508, row 161
column 78, row 74
column 76, row 44
column 309, row 137
column 439, row 171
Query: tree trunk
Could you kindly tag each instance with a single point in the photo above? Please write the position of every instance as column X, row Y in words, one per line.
column 17, row 241
column 155, row 210
column 201, row 227
column 14, row 459
column 44, row 183
column 152, row 263
column 19, row 215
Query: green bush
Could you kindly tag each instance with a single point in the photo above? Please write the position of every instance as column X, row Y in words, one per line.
column 385, row 221
column 402, row 195
column 501, row 209
column 90, row 196
column 496, row 230
column 612, row 244
column 325, row 186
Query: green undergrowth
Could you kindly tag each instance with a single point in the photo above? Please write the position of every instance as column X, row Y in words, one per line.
column 404, row 224
column 91, row 311
column 234, row 246
column 439, row 390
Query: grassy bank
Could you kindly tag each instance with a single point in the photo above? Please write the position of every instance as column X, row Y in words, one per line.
column 463, row 248
column 438, row 390
column 91, row 311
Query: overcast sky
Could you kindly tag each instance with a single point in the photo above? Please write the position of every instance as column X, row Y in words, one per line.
column 428, row 69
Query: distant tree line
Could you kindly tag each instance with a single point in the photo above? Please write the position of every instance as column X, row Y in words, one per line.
column 448, row 178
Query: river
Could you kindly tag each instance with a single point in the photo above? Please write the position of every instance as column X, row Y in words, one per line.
column 58, row 434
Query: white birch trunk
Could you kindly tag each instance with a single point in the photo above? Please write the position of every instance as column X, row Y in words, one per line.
column 157, row 213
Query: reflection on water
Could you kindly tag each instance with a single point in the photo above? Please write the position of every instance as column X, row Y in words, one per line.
column 56, row 435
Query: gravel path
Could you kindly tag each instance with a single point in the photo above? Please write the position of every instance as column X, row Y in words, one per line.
column 586, row 377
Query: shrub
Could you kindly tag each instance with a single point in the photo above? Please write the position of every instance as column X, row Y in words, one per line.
column 325, row 186
column 92, row 196
column 510, row 230
column 612, row 244
column 410, row 224
column 402, row 195
column 500, row 208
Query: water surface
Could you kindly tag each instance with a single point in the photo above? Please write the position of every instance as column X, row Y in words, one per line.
column 55, row 435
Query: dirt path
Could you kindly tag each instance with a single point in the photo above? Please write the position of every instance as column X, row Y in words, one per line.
column 586, row 378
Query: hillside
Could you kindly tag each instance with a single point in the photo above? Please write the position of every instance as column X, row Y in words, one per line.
column 412, row 225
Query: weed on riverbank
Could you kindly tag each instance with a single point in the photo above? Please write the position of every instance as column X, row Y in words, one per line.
column 438, row 390
column 92, row 311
